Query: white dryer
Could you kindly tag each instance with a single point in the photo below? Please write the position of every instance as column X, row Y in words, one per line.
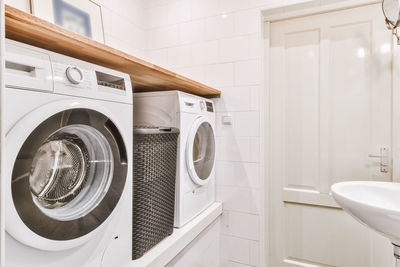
column 68, row 159
column 195, row 118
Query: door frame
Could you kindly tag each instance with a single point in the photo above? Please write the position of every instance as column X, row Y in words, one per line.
column 267, row 15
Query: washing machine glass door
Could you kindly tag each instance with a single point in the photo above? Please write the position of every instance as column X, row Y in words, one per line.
column 69, row 174
column 200, row 151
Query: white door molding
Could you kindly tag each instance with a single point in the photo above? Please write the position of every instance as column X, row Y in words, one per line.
column 309, row 8
column 396, row 111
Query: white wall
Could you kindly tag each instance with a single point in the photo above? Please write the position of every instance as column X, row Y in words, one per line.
column 20, row 4
column 123, row 23
column 217, row 42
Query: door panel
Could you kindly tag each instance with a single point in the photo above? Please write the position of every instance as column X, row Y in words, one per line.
column 330, row 107
column 313, row 232
column 301, row 107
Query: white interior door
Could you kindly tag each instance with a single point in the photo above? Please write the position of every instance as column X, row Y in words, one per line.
column 330, row 107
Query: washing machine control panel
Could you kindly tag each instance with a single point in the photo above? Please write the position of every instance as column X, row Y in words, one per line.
column 79, row 78
column 33, row 68
column 206, row 106
column 71, row 76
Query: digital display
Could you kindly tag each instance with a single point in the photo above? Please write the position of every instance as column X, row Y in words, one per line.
column 210, row 107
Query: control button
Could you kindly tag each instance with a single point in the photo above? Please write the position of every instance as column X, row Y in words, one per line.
column 202, row 105
column 74, row 74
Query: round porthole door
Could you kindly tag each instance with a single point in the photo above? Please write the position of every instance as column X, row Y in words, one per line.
column 68, row 175
column 200, row 151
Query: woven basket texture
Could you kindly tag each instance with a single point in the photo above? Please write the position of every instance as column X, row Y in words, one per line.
column 154, row 172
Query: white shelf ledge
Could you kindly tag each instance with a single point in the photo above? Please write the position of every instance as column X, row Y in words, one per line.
column 167, row 249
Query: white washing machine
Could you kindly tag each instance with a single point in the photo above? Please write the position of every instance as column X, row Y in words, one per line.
column 195, row 118
column 68, row 159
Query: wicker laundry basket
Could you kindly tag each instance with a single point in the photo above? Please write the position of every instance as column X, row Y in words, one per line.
column 154, row 174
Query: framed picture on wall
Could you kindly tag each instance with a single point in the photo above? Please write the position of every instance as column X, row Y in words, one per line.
column 79, row 16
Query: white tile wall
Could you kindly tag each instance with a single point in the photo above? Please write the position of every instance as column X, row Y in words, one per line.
column 241, row 224
column 218, row 27
column 239, row 199
column 236, row 249
column 218, row 42
column 239, row 252
column 20, row 4
column 218, row 45
column 191, row 32
column 124, row 27
column 240, row 174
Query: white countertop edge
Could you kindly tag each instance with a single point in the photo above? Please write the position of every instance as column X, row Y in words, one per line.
column 167, row 249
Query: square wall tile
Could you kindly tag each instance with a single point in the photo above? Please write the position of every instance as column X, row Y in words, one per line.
column 179, row 11
column 245, row 123
column 205, row 8
column 196, row 73
column 239, row 199
column 205, row 53
column 158, row 57
column 191, row 32
column 248, row 73
column 234, row 5
column 220, row 75
column 234, row 149
column 221, row 26
column 235, row 249
column 248, row 22
column 240, row 149
column 163, row 37
column 241, row 174
column 156, row 16
column 238, row 98
column 241, row 225
column 234, row 49
column 180, row 56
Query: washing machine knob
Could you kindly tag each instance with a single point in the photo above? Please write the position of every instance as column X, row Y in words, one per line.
column 74, row 74
column 202, row 105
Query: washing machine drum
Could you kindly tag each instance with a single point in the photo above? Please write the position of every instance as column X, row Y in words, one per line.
column 69, row 174
column 200, row 151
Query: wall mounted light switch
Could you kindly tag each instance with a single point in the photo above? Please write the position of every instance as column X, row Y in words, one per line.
column 227, row 119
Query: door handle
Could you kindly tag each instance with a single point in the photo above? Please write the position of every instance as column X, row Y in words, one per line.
column 384, row 158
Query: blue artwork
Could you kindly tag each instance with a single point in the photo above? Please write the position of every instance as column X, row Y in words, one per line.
column 72, row 18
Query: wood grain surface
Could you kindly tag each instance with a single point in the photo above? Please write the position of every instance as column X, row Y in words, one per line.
column 26, row 28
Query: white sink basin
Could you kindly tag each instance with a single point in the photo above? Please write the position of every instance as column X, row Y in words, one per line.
column 376, row 204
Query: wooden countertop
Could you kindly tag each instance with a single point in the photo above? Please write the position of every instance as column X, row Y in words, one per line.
column 26, row 28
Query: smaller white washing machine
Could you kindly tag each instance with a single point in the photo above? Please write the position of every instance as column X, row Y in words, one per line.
column 195, row 118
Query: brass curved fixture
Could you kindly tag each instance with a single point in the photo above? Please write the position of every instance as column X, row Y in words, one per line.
column 391, row 10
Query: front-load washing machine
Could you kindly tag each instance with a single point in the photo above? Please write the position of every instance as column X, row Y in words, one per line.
column 195, row 118
column 68, row 149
